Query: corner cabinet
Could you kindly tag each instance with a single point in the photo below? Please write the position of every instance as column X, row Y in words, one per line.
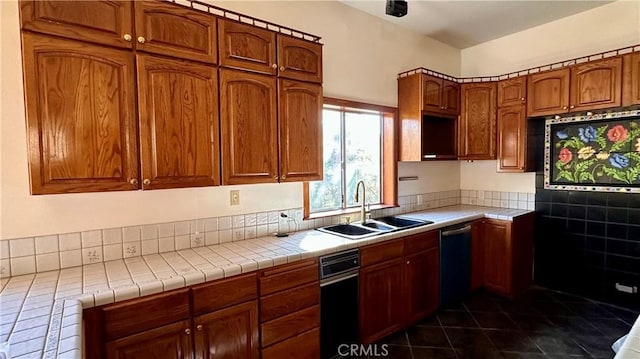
column 248, row 116
column 80, row 104
column 178, row 113
column 596, row 85
column 477, row 125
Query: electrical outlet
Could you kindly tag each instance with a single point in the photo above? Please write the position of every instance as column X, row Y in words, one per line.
column 234, row 197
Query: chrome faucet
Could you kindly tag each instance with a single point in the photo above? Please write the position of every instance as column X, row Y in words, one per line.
column 363, row 213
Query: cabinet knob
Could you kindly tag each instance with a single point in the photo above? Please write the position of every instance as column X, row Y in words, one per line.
column 281, row 68
column 522, row 99
column 275, row 177
column 127, row 37
column 274, row 66
column 134, row 181
column 573, row 106
column 146, row 182
column 141, row 39
column 564, row 108
column 187, row 331
column 408, row 262
column 284, row 177
column 199, row 327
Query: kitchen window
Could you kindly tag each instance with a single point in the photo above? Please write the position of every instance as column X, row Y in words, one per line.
column 358, row 144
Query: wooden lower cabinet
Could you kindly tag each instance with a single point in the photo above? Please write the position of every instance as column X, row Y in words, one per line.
column 305, row 345
column 497, row 246
column 477, row 255
column 230, row 333
column 168, row 341
column 422, row 284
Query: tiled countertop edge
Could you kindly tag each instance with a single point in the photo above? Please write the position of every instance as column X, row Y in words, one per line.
column 64, row 336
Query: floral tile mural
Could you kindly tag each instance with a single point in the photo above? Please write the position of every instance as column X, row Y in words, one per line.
column 599, row 152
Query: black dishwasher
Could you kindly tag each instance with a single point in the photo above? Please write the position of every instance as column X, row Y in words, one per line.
column 455, row 263
column 338, row 301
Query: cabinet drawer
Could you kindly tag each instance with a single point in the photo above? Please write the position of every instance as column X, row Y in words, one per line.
column 223, row 293
column 289, row 301
column 421, row 241
column 137, row 315
column 290, row 325
column 288, row 276
column 381, row 252
column 305, row 345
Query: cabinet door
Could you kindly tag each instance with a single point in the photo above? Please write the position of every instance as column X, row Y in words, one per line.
column 169, row 341
column 477, row 128
column 247, row 47
column 432, row 94
column 299, row 59
column 230, row 333
column 176, row 31
column 103, row 22
column 512, row 92
column 300, row 128
column 305, row 345
column 248, row 123
column 381, row 308
column 477, row 255
column 497, row 259
column 422, row 286
column 548, row 93
column 178, row 114
column 512, row 139
column 451, row 97
column 80, row 105
column 631, row 79
column 596, row 84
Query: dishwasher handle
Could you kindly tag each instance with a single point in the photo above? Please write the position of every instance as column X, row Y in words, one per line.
column 453, row 232
column 339, row 278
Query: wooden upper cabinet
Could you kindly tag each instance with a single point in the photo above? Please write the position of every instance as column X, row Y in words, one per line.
column 228, row 333
column 512, row 139
column 299, row 59
column 102, row 22
column 178, row 114
column 451, row 97
column 431, row 94
column 246, row 47
column 169, row 341
column 249, row 127
column 631, row 79
column 300, row 127
column 477, row 127
column 596, row 85
column 80, row 106
column 512, row 92
column 176, row 31
column 548, row 93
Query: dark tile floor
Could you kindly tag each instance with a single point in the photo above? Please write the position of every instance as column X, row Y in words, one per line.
column 540, row 324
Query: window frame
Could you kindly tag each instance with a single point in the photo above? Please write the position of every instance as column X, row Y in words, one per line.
column 389, row 157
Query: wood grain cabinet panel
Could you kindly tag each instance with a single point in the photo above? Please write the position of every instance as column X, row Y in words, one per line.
column 289, row 325
column 230, row 333
column 80, row 105
column 422, row 284
column 512, row 92
column 299, row 59
column 176, row 31
column 219, row 294
column 305, row 345
column 548, row 93
column 248, row 117
column 596, row 85
column 431, row 94
column 477, row 126
column 381, row 300
column 477, row 254
column 300, row 128
column 178, row 114
column 169, row 341
column 512, row 139
column 246, row 47
column 497, row 258
column 450, row 97
column 289, row 301
column 631, row 79
column 101, row 22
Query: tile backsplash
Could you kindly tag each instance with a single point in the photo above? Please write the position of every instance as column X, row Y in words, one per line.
column 51, row 252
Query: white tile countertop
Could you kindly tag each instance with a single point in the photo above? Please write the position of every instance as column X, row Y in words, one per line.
column 41, row 313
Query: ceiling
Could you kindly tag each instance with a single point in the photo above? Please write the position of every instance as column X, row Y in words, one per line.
column 462, row 24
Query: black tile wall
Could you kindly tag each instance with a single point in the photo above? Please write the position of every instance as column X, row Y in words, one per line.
column 585, row 242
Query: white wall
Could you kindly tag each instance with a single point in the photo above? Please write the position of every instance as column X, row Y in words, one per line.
column 362, row 56
column 604, row 28
column 432, row 177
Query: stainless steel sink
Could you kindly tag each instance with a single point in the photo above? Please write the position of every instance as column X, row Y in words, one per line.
column 373, row 227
